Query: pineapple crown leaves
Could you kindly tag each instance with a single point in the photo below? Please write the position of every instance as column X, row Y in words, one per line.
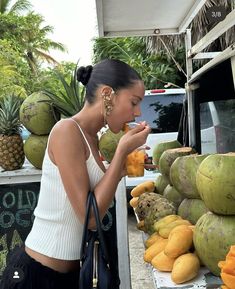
column 72, row 100
column 9, row 115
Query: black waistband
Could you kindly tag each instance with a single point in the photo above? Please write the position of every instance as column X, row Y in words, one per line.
column 22, row 258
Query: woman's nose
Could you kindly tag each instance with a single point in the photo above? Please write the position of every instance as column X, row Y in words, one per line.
column 137, row 111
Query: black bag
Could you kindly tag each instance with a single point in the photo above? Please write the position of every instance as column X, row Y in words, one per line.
column 94, row 264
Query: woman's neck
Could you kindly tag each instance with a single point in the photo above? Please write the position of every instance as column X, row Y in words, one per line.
column 90, row 119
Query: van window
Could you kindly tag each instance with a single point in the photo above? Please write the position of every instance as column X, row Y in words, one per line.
column 217, row 121
column 162, row 112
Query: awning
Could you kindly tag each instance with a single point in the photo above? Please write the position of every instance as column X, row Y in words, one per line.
column 145, row 17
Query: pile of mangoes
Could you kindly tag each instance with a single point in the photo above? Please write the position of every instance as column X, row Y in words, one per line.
column 170, row 249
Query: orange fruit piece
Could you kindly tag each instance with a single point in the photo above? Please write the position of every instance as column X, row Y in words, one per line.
column 229, row 280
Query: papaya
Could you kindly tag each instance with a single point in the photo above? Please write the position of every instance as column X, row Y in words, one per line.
column 162, row 262
column 147, row 186
column 185, row 268
column 221, row 264
column 179, row 242
column 231, row 252
column 229, row 280
column 154, row 249
column 224, row 287
column 229, row 266
column 228, row 269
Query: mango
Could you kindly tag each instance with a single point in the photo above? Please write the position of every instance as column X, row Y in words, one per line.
column 147, row 186
column 165, row 221
column 152, row 239
column 134, row 202
column 154, row 250
column 162, row 262
column 165, row 231
column 179, row 242
column 185, row 268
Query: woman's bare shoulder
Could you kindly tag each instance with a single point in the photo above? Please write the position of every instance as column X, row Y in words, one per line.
column 65, row 133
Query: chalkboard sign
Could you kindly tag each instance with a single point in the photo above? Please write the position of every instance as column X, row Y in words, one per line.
column 17, row 203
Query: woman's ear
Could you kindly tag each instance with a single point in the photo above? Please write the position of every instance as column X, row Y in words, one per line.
column 107, row 91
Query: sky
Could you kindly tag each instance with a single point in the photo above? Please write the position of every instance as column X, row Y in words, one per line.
column 74, row 23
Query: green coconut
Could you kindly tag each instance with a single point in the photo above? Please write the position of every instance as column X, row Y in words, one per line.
column 192, row 210
column 160, row 183
column 169, row 156
column 159, row 148
column 34, row 149
column 108, row 143
column 183, row 175
column 36, row 114
column 171, row 194
column 216, row 183
column 212, row 238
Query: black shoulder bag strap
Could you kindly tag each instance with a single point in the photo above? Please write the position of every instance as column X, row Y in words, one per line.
column 91, row 201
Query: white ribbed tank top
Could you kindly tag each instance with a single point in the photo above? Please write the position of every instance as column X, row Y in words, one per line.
column 57, row 231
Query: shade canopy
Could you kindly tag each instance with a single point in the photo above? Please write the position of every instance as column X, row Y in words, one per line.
column 145, row 17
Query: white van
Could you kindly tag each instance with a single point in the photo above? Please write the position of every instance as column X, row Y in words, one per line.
column 217, row 126
column 161, row 108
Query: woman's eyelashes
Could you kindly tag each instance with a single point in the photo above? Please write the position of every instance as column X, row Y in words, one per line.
column 134, row 102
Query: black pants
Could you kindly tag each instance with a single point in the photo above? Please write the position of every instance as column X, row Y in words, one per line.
column 35, row 275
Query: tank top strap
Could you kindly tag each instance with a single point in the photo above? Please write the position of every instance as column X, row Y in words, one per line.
column 82, row 135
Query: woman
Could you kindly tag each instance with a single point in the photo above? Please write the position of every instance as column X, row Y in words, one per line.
column 72, row 166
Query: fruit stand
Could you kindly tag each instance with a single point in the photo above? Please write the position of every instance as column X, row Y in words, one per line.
column 189, row 246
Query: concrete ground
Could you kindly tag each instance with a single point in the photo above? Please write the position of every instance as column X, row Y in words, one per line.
column 141, row 276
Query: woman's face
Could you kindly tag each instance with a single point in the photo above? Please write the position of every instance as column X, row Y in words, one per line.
column 126, row 106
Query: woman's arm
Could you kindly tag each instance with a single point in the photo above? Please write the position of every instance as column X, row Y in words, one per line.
column 68, row 149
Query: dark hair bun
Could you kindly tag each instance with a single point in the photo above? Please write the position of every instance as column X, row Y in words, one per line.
column 84, row 73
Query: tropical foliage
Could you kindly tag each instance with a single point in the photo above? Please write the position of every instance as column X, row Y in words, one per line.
column 25, row 50
column 155, row 69
column 28, row 36
column 16, row 8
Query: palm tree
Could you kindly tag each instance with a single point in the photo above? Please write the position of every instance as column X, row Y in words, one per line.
column 16, row 8
column 35, row 43
column 29, row 36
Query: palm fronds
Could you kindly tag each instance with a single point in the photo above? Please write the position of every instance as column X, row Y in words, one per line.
column 199, row 27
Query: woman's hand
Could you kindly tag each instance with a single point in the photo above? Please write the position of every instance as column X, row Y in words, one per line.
column 134, row 138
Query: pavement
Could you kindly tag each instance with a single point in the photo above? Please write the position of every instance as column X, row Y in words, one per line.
column 141, row 274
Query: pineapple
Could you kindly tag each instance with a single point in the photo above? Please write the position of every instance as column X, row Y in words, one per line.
column 69, row 101
column 11, row 143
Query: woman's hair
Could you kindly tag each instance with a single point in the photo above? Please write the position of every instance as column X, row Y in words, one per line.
column 111, row 72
